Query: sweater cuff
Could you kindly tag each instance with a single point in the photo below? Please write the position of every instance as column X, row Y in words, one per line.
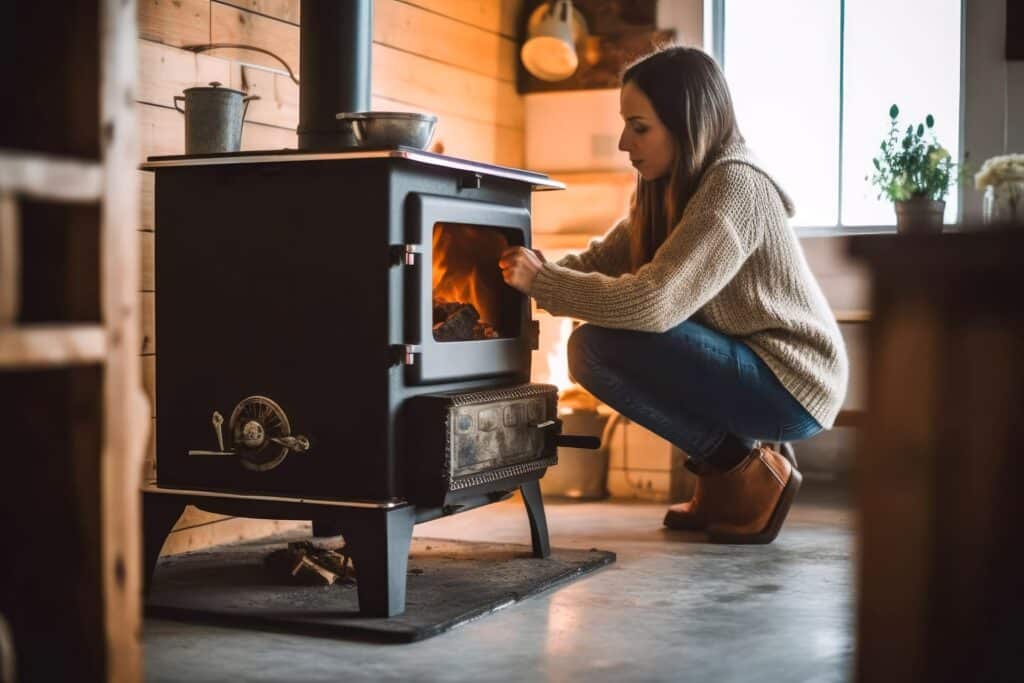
column 545, row 287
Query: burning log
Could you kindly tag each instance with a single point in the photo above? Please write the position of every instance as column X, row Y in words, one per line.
column 305, row 563
column 458, row 326
column 459, row 321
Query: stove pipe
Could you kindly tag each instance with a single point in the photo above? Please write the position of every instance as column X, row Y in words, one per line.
column 335, row 43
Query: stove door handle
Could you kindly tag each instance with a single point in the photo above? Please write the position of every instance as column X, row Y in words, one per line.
column 569, row 440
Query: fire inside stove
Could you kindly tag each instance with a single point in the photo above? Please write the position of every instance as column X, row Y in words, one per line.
column 470, row 299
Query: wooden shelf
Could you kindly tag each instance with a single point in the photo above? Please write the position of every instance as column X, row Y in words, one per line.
column 48, row 177
column 24, row 347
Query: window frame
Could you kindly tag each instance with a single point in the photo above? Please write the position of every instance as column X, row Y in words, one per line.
column 714, row 39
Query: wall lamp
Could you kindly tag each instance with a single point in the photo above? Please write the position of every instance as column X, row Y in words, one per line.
column 553, row 31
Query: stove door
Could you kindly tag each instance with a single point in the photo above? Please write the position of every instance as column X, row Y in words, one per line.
column 461, row 320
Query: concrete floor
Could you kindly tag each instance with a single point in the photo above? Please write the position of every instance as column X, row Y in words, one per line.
column 668, row 610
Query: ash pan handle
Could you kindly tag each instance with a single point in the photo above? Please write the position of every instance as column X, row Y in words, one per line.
column 570, row 440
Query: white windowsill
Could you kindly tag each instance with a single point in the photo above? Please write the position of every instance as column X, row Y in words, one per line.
column 845, row 231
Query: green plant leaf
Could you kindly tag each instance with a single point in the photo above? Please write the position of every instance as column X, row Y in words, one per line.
column 920, row 130
column 894, row 111
column 929, row 120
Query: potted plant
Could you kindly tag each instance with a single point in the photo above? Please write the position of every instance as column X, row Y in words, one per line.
column 915, row 174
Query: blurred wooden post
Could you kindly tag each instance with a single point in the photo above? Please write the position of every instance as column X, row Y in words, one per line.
column 938, row 468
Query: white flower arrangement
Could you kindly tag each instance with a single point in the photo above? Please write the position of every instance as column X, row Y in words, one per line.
column 1000, row 169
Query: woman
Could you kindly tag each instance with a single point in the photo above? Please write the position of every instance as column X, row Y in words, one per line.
column 705, row 324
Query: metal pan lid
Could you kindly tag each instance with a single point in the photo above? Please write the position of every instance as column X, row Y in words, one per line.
column 214, row 85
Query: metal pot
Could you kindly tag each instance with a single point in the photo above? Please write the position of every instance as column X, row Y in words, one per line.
column 213, row 118
column 377, row 129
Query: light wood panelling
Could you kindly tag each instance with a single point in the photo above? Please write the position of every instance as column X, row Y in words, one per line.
column 228, row 530
column 444, row 89
column 285, row 10
column 435, row 36
column 397, row 76
column 147, row 182
column 257, row 136
column 148, row 322
column 165, row 71
column 147, row 244
column 498, row 16
column 233, row 25
column 278, row 103
column 175, row 22
column 396, row 24
column 149, row 462
column 591, row 203
column 161, row 130
column 149, row 381
column 193, row 517
column 279, row 106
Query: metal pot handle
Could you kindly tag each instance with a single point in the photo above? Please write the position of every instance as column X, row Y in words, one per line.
column 176, row 99
column 246, row 100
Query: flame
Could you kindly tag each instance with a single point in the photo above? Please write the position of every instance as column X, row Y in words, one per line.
column 466, row 268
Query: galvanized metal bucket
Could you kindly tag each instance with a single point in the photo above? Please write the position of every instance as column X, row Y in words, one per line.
column 213, row 118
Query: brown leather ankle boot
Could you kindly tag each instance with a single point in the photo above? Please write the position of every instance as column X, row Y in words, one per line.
column 749, row 503
column 691, row 515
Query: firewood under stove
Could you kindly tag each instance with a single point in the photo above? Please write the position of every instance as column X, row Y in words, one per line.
column 304, row 563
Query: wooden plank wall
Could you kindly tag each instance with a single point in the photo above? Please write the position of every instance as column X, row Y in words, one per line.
column 454, row 58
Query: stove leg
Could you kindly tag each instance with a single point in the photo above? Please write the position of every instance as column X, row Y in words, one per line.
column 538, row 520
column 160, row 512
column 380, row 551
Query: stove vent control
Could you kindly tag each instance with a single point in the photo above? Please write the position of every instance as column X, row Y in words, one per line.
column 260, row 432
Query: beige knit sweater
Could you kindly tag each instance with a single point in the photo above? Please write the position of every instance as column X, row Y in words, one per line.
column 734, row 264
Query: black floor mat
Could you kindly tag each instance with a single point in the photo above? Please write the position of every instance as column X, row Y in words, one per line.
column 449, row 583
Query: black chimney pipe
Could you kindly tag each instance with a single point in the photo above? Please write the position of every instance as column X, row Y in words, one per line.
column 335, row 44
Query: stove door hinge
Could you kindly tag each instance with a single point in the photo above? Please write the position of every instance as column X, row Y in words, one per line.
column 406, row 254
column 405, row 354
column 533, row 332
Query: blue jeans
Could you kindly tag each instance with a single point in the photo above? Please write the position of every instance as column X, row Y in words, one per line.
column 691, row 385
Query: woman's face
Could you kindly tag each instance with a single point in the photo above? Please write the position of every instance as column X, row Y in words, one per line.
column 647, row 140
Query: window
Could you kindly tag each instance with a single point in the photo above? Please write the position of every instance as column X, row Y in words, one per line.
column 812, row 81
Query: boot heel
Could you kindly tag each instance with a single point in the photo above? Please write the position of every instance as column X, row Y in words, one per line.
column 771, row 530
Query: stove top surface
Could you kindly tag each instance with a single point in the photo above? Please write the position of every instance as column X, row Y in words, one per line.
column 538, row 181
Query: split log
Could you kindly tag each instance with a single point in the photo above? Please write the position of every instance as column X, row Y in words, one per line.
column 304, row 563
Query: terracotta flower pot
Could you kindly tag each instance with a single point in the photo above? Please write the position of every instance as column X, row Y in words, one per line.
column 919, row 216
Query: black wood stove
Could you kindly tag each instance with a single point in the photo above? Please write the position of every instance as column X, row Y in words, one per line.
column 336, row 341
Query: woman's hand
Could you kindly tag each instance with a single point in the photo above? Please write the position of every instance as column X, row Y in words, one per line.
column 519, row 266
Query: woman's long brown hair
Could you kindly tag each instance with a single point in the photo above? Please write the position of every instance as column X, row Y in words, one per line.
column 690, row 96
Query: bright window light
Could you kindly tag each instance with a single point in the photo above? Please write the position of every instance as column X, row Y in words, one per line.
column 812, row 81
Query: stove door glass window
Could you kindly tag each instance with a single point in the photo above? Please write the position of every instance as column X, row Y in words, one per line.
column 470, row 299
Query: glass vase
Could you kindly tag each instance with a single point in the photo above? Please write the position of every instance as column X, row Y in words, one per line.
column 1004, row 202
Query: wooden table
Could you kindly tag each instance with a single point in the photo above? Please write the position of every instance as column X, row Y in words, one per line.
column 938, row 478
